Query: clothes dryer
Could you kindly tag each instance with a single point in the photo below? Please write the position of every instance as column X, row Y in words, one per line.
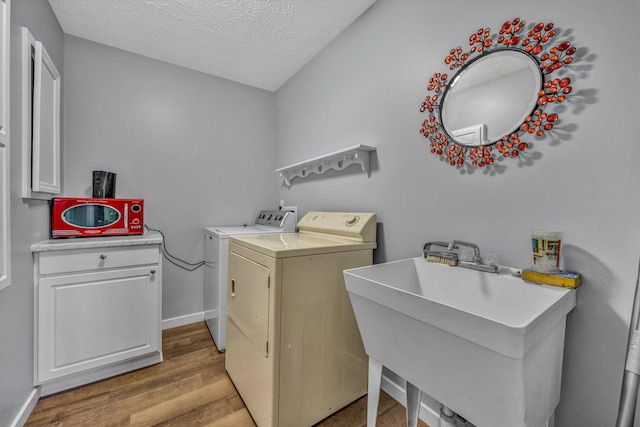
column 294, row 350
column 216, row 255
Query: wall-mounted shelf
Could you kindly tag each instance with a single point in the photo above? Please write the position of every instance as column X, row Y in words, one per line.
column 338, row 160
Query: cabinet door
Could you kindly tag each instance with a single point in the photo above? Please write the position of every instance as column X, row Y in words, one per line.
column 45, row 173
column 90, row 320
column 5, row 228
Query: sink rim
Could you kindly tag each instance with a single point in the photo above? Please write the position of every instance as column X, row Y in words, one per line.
column 555, row 293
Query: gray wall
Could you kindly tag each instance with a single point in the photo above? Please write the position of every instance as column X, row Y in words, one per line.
column 366, row 88
column 29, row 221
column 197, row 148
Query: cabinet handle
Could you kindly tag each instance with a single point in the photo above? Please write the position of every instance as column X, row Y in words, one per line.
column 233, row 287
column 153, row 272
column 103, row 256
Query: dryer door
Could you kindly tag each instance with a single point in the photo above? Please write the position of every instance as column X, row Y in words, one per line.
column 248, row 300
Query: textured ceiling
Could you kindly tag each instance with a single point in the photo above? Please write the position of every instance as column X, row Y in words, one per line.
column 261, row 43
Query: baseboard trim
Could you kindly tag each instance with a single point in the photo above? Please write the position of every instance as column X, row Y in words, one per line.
column 187, row 319
column 97, row 374
column 23, row 415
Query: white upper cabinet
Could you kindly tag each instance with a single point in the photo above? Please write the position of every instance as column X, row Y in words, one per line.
column 5, row 225
column 41, row 121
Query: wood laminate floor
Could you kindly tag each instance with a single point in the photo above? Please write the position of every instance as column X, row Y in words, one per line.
column 190, row 388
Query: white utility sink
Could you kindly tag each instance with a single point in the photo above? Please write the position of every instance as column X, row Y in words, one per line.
column 489, row 346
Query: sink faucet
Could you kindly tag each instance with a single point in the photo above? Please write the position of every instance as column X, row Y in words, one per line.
column 476, row 262
column 455, row 244
column 450, row 257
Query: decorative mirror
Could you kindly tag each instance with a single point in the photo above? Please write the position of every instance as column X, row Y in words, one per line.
column 498, row 96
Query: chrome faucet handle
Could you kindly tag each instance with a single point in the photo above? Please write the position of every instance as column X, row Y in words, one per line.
column 455, row 244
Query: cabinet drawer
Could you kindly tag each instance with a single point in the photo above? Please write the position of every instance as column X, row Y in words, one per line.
column 74, row 260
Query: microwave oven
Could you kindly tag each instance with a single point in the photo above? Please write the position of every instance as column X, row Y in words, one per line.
column 89, row 217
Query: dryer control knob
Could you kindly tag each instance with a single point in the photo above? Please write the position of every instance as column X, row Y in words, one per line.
column 353, row 220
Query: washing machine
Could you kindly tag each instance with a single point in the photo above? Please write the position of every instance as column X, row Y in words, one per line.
column 216, row 255
column 294, row 351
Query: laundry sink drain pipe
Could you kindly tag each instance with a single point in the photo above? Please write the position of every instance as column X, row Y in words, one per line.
column 448, row 418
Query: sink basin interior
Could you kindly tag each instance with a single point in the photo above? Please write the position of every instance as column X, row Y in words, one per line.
column 499, row 298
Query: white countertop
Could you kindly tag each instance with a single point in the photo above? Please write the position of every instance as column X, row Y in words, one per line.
column 148, row 238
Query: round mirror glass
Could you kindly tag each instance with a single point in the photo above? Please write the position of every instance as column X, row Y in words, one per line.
column 491, row 97
column 91, row 216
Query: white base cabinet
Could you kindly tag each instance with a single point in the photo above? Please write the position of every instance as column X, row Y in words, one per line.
column 97, row 312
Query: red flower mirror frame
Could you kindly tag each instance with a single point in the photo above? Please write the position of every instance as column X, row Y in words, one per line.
column 487, row 65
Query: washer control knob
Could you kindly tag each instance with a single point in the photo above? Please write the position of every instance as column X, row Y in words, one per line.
column 135, row 208
column 353, row 220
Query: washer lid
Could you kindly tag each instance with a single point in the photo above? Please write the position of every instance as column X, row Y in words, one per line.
column 226, row 231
